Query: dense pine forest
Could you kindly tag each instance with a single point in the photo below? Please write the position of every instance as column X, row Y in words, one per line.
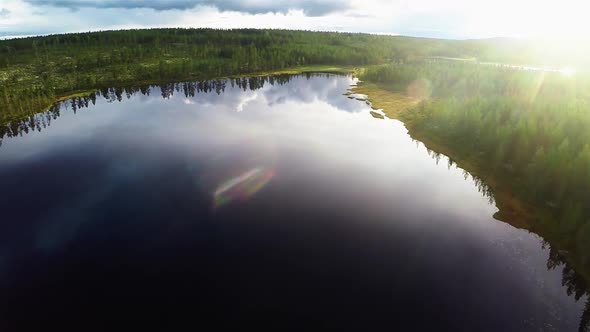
column 34, row 71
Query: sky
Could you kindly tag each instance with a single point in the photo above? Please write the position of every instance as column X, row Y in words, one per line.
column 455, row 19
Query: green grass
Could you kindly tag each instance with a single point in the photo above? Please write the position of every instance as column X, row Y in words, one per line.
column 393, row 103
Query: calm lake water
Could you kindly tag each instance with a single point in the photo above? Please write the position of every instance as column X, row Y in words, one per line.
column 275, row 201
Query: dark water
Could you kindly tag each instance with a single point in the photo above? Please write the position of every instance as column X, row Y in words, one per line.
column 280, row 206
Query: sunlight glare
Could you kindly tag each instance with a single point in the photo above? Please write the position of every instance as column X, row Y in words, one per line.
column 569, row 72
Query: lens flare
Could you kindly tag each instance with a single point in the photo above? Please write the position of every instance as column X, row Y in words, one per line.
column 242, row 186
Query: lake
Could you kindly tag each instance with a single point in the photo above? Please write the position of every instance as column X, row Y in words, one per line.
column 273, row 201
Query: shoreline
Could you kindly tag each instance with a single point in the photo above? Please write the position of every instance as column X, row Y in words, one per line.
column 511, row 209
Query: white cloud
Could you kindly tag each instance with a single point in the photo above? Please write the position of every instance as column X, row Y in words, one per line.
column 311, row 7
column 433, row 18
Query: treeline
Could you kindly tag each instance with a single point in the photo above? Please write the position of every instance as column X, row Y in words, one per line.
column 33, row 71
column 574, row 283
column 463, row 80
column 527, row 129
column 36, row 70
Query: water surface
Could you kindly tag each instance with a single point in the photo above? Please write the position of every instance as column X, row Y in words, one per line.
column 274, row 201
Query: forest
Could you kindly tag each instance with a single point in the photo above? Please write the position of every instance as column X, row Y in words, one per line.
column 35, row 71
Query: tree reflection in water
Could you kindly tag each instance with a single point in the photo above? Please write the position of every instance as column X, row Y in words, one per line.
column 42, row 120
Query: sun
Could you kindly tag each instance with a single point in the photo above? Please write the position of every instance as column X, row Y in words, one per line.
column 534, row 19
column 568, row 71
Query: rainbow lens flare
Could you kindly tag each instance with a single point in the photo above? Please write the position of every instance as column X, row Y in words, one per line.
column 242, row 186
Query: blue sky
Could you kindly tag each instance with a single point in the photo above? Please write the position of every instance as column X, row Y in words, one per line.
column 458, row 19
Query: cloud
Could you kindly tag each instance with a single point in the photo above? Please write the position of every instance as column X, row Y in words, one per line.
column 425, row 18
column 4, row 13
column 309, row 7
